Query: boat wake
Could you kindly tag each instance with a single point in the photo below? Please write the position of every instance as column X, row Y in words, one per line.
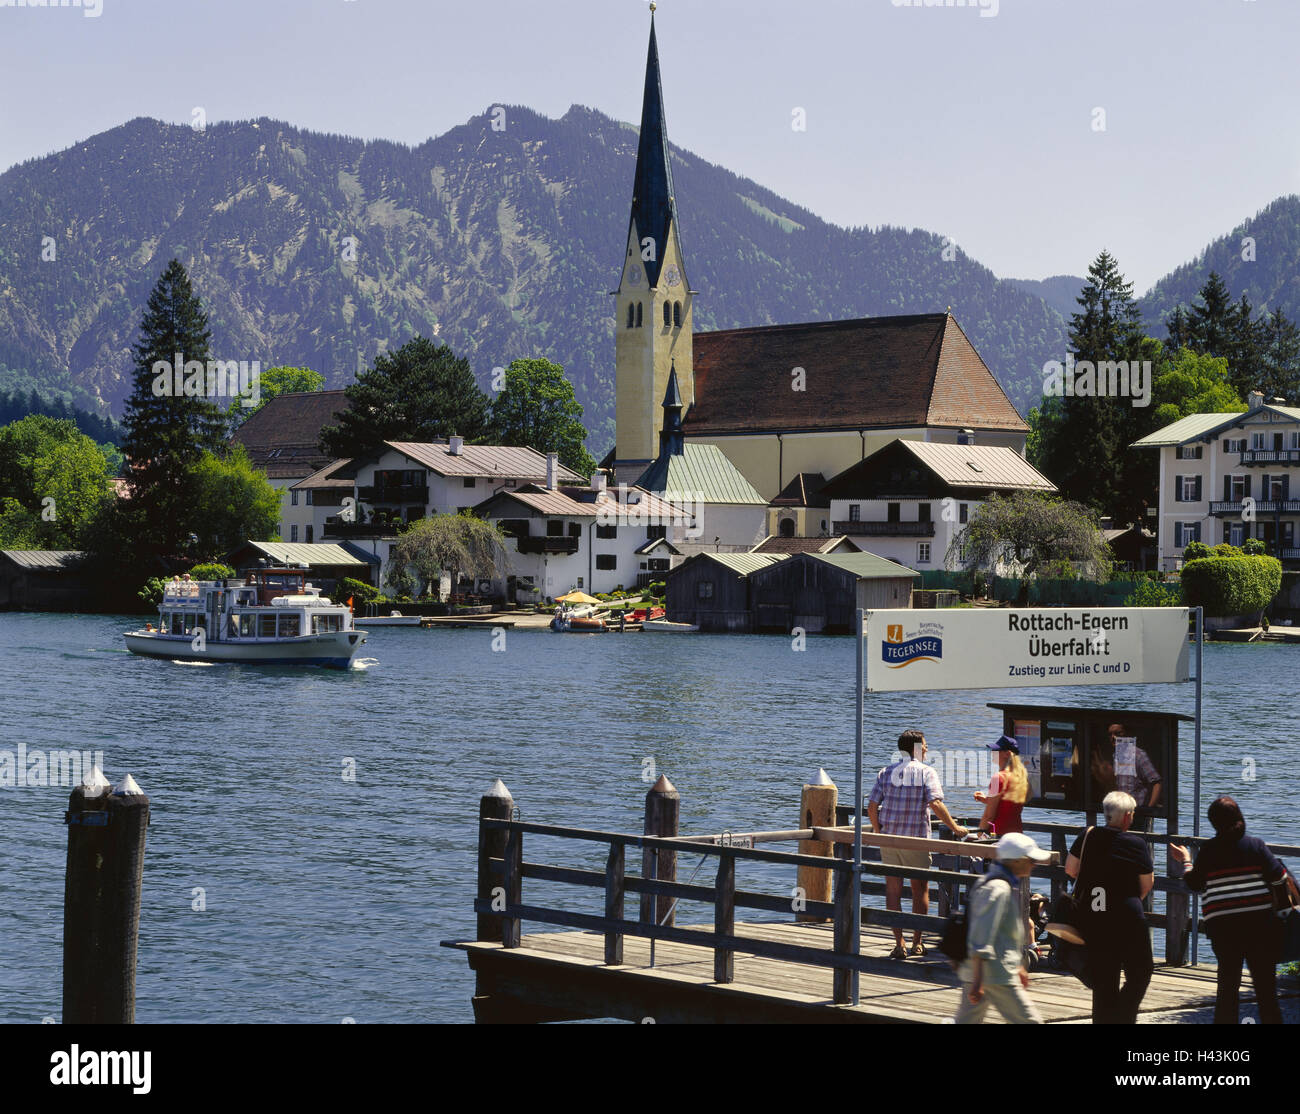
column 204, row 664
column 360, row 665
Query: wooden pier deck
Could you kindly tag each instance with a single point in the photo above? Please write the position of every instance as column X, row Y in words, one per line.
column 555, row 976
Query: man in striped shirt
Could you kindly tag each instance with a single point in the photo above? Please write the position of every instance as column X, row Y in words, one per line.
column 1242, row 881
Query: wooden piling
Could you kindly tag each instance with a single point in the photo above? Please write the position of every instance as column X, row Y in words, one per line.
column 663, row 806
column 495, row 804
column 101, row 900
column 816, row 810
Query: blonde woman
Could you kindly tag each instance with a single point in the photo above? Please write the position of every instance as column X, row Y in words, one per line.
column 1007, row 790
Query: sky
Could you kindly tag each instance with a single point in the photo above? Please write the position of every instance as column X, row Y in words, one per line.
column 1034, row 133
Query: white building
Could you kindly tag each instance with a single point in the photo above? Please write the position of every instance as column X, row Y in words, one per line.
column 1226, row 478
column 910, row 499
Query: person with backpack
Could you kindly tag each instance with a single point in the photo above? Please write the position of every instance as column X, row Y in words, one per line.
column 993, row 972
column 1243, row 882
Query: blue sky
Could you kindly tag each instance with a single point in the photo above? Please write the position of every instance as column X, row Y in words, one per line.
column 980, row 127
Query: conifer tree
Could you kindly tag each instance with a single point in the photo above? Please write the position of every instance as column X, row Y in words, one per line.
column 1210, row 323
column 421, row 392
column 167, row 432
column 1280, row 340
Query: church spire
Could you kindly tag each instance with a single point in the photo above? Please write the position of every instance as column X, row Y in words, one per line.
column 653, row 207
column 671, row 440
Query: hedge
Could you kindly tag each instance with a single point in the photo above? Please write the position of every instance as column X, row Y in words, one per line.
column 1231, row 585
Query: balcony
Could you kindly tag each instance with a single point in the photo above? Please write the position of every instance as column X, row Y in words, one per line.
column 1270, row 456
column 548, row 545
column 1261, row 506
column 886, row 529
column 335, row 527
column 394, row 494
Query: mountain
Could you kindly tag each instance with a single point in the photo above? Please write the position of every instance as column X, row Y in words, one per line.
column 502, row 243
column 1270, row 280
column 1060, row 292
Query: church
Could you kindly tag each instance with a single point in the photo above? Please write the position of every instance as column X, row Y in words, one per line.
column 778, row 402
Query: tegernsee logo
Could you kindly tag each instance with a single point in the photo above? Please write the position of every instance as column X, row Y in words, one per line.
column 1104, row 379
column 987, row 8
column 91, row 9
column 902, row 647
column 101, row 1068
column 43, row 768
column 181, row 378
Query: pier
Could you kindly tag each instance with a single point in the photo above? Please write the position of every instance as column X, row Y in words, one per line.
column 795, row 964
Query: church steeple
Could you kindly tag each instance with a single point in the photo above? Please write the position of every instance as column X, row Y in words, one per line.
column 653, row 308
column 654, row 209
column 671, row 441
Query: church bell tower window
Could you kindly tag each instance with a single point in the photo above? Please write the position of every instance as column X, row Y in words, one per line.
column 638, row 314
column 677, row 314
column 668, row 315
column 630, row 312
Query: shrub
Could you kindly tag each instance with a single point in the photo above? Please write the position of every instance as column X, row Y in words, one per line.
column 359, row 590
column 1223, row 549
column 1231, row 585
column 1253, row 547
column 151, row 592
column 1147, row 593
column 1195, row 551
column 212, row 570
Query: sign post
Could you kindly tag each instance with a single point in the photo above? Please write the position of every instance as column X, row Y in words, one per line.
column 924, row 649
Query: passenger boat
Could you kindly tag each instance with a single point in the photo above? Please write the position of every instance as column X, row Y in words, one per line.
column 270, row 617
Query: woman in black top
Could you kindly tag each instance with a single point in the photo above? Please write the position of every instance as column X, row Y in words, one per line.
column 1243, row 883
column 1114, row 873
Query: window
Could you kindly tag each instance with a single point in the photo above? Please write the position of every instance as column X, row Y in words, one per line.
column 290, row 625
column 579, row 582
column 310, row 533
column 266, row 626
column 787, row 527
column 1235, row 488
column 308, row 494
column 469, row 481
column 1234, row 444
column 638, row 314
column 575, row 529
column 923, row 512
column 893, row 514
column 247, row 625
column 293, row 498
column 658, row 564
column 1189, row 452
column 652, row 532
column 922, row 553
column 1188, row 489
column 293, row 532
column 855, row 512
column 704, row 590
column 677, row 314
column 1275, row 487
column 631, row 315
column 1294, row 441
column 1185, row 533
column 963, row 511
column 1257, row 441
column 1234, row 533
column 606, row 562
column 606, row 532
column 178, row 623
column 554, row 528
column 668, row 314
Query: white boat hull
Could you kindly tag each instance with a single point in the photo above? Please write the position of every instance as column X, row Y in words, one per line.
column 335, row 649
column 665, row 627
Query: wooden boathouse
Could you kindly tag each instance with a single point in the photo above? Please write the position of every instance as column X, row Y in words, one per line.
column 777, row 955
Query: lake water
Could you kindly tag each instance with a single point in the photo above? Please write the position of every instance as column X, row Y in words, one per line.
column 327, row 898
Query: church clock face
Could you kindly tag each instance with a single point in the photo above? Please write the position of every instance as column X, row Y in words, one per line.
column 634, row 275
column 672, row 275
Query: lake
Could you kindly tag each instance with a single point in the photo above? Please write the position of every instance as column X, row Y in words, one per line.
column 325, row 898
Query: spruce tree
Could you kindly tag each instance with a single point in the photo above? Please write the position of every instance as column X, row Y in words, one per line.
column 1280, row 340
column 1210, row 323
column 1245, row 347
column 168, row 432
column 421, row 392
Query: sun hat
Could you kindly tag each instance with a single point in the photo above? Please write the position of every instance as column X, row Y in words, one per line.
column 1017, row 845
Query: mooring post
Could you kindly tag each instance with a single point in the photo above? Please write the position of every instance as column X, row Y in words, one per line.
column 816, row 810
column 495, row 804
column 101, row 900
column 663, row 806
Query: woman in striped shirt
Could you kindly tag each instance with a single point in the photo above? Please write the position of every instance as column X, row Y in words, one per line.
column 1240, row 877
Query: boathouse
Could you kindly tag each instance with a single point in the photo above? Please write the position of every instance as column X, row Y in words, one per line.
column 712, row 589
column 42, row 580
column 819, row 592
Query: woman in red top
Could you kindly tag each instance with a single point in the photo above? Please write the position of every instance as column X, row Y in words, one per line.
column 1007, row 790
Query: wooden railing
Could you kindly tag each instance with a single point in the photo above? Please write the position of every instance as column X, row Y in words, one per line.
column 502, row 910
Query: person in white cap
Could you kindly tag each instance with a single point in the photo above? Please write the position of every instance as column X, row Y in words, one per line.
column 993, row 972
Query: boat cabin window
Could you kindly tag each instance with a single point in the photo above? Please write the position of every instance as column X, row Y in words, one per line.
column 323, row 624
column 290, row 625
column 266, row 626
column 247, row 626
column 178, row 623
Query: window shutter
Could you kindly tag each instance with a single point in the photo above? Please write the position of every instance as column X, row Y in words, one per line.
column 1196, row 490
column 1263, row 486
column 1286, row 486
column 1227, row 489
column 1247, row 483
column 1178, row 489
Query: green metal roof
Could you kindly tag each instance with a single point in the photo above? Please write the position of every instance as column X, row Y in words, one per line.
column 1185, row 429
column 42, row 558
column 865, row 566
column 305, row 553
column 701, row 474
column 745, row 563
